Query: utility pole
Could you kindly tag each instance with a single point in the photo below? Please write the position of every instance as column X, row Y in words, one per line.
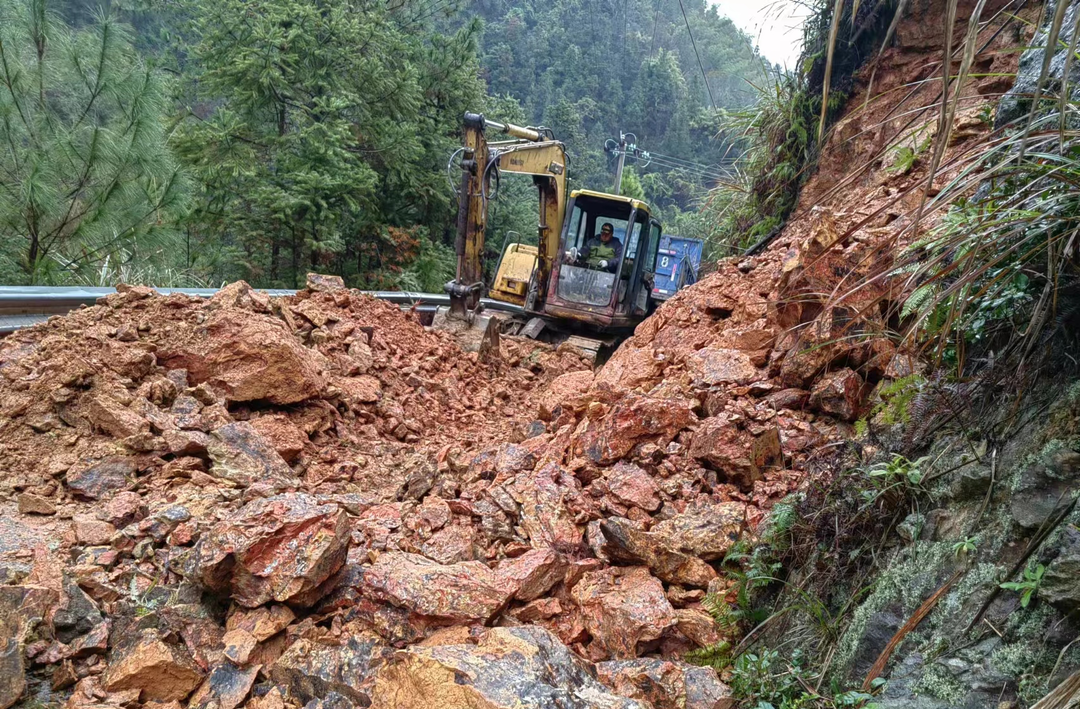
column 622, row 161
column 621, row 148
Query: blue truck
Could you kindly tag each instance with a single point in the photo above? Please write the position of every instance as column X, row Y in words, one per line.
column 677, row 263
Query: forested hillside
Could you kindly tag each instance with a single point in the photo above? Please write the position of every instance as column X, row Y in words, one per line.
column 193, row 142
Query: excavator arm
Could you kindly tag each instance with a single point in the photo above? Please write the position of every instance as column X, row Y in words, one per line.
column 528, row 152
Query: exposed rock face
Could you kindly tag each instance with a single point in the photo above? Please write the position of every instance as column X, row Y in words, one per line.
column 273, row 549
column 159, row 671
column 1061, row 582
column 509, row 668
column 623, row 608
column 666, row 685
column 251, row 358
column 466, row 592
column 21, row 607
column 241, row 455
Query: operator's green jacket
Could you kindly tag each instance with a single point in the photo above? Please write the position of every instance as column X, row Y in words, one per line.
column 596, row 251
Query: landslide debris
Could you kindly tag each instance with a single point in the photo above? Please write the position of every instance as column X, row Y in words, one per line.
column 271, row 503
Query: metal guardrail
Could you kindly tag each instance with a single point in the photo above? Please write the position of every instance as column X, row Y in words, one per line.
column 23, row 306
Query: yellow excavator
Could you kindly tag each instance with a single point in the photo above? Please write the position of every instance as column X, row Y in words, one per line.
column 578, row 278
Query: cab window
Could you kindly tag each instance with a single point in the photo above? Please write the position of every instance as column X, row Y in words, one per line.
column 590, row 266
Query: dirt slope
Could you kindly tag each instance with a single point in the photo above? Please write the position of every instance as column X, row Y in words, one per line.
column 269, row 503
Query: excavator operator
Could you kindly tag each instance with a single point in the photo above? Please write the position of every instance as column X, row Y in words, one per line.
column 602, row 252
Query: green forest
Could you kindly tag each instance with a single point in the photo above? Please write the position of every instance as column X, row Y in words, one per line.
column 193, row 142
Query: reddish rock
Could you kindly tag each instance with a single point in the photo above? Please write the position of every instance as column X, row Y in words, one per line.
column 100, row 479
column 159, row 671
column 30, row 504
column 263, row 622
column 114, row 418
column 251, row 357
column 562, row 389
column 706, row 533
column 310, row 669
column 722, row 445
column 793, row 399
column 123, row 509
column 451, row 544
column 632, row 420
column 540, row 609
column 838, row 393
column 364, row 389
column 241, row 455
column 622, row 608
column 466, row 592
column 545, row 516
column 508, row 668
column 282, row 435
column 626, row 545
column 278, row 548
column 698, row 626
column 666, row 684
column 631, row 485
column 18, row 605
column 533, row 573
column 186, row 442
column 723, row 366
column 225, row 687
column 92, row 532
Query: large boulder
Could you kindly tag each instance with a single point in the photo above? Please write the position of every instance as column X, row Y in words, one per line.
column 707, row 532
column 631, row 485
column 622, row 608
column 466, row 592
column 509, row 668
column 623, row 543
column 250, row 357
column 666, row 684
column 241, row 455
column 280, row 548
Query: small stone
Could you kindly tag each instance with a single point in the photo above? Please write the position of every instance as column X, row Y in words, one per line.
column 30, row 504
column 92, row 532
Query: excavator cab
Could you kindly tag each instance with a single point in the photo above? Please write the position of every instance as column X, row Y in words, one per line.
column 606, row 298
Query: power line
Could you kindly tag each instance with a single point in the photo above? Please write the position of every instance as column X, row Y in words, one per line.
column 700, row 65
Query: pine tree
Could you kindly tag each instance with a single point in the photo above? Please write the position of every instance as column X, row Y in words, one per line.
column 85, row 175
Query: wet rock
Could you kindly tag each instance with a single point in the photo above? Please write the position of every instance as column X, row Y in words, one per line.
column 251, row 357
column 707, row 532
column 100, row 479
column 30, row 504
column 278, row 548
column 665, row 684
column 241, row 455
column 1061, row 583
column 633, row 486
column 509, row 668
column 632, row 420
column 466, row 592
column 533, row 573
column 114, row 418
column 21, row 608
column 311, row 669
column 226, row 687
column 624, row 544
column 76, row 613
column 838, row 393
column 623, row 608
column 158, row 670
column 713, row 366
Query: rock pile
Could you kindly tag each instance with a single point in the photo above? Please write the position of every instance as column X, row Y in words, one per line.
column 315, row 501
